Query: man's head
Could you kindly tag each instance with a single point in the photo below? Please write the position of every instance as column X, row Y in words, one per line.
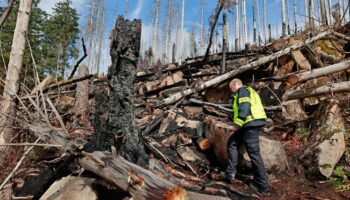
column 235, row 84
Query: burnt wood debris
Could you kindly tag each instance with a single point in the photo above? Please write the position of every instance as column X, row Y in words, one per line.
column 162, row 132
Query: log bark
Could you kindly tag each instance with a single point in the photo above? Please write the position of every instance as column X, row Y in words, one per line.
column 310, row 92
column 82, row 104
column 300, row 59
column 176, row 97
column 67, row 82
column 12, row 81
column 139, row 182
column 293, row 79
column 47, row 81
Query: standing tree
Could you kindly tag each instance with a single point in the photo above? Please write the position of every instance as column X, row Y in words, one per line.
column 155, row 18
column 258, row 14
column 254, row 21
column 265, row 22
column 323, row 12
column 295, row 16
column 311, row 15
column 283, row 4
column 202, row 39
column 245, row 28
column 306, row 13
column 237, row 39
column 182, row 31
column 65, row 17
column 170, row 13
column 14, row 69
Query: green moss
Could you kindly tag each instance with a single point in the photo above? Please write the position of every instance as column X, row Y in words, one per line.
column 339, row 179
column 302, row 133
column 327, row 165
column 327, row 47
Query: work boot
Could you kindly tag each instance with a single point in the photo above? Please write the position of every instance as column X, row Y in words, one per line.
column 263, row 191
column 229, row 176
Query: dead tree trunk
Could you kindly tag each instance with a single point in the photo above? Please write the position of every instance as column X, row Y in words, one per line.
column 284, row 26
column 121, row 75
column 323, row 13
column 237, row 39
column 212, row 28
column 310, row 92
column 311, row 15
column 224, row 43
column 14, row 69
column 292, row 80
column 82, row 99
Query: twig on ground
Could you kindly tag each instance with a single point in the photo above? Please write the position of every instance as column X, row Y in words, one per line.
column 31, row 144
column 18, row 164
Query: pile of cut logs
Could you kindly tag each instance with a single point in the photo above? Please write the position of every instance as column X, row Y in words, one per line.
column 181, row 118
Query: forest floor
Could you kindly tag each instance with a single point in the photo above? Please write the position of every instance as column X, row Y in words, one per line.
column 293, row 184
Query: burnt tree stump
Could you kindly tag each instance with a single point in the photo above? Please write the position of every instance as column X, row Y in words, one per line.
column 121, row 127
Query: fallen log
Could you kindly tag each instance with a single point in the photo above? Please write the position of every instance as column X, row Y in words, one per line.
column 196, row 101
column 139, row 182
column 310, row 92
column 293, row 79
column 176, row 97
column 67, row 82
column 300, row 59
column 47, row 81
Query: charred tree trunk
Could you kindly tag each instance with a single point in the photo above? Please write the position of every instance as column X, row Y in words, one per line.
column 121, row 75
column 224, row 43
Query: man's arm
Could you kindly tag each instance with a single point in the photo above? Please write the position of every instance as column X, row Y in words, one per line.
column 243, row 106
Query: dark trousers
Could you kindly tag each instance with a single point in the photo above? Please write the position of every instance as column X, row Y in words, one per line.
column 250, row 138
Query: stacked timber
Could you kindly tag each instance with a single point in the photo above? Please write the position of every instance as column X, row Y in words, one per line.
column 161, row 133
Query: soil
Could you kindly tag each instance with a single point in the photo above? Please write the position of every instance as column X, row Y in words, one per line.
column 293, row 184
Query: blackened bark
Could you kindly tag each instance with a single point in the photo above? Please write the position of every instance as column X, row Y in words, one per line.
column 124, row 52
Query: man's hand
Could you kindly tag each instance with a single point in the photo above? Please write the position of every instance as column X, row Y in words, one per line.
column 235, row 129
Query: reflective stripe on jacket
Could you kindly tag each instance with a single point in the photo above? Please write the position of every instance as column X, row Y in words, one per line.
column 256, row 108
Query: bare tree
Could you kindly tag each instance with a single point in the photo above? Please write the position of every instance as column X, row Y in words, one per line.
column 182, row 30
column 244, row 18
column 306, row 13
column 323, row 12
column 237, row 38
column 341, row 9
column 295, row 16
column 288, row 16
column 254, row 21
column 213, row 23
column 329, row 11
column 170, row 14
column 12, row 81
column 265, row 22
column 155, row 30
column 193, row 47
column 202, row 40
column 258, row 14
column 311, row 15
column 224, row 42
column 177, row 21
column 283, row 4
column 95, row 32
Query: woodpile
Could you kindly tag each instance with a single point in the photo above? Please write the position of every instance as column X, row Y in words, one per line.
column 158, row 135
